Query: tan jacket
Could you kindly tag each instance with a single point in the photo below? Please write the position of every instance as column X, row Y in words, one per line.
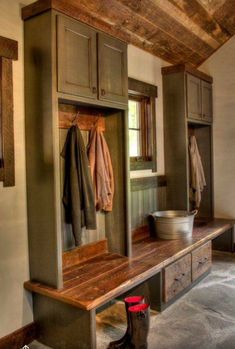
column 198, row 181
column 101, row 170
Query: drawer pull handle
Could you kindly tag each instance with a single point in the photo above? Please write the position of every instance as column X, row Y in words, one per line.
column 94, row 90
column 103, row 92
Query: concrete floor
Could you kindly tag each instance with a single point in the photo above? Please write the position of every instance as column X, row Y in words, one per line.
column 203, row 319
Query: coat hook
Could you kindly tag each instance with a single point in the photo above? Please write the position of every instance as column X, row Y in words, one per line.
column 74, row 122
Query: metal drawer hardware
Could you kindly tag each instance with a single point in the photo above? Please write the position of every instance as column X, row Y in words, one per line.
column 102, row 92
column 94, row 90
column 179, row 278
column 203, row 261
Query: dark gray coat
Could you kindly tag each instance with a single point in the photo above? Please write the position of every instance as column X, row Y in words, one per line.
column 78, row 196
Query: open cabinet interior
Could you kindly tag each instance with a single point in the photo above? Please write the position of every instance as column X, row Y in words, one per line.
column 203, row 137
column 110, row 225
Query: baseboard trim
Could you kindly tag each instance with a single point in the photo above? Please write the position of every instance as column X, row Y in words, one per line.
column 19, row 338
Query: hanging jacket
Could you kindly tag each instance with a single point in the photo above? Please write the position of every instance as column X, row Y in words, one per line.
column 101, row 170
column 78, row 195
column 197, row 182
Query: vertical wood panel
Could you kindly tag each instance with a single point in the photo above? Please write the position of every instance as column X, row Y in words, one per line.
column 145, row 201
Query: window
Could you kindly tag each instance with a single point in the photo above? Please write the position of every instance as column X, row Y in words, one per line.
column 142, row 130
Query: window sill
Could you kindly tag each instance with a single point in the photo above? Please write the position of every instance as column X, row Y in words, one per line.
column 141, row 165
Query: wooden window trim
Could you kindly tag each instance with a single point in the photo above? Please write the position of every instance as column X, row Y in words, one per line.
column 141, row 91
column 8, row 52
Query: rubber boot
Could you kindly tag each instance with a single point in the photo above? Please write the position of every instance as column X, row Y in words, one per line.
column 140, row 318
column 125, row 340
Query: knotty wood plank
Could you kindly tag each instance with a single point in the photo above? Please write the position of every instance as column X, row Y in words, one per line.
column 201, row 260
column 198, row 14
column 8, row 48
column 225, row 16
column 168, row 21
column 121, row 274
column 83, row 253
column 81, row 116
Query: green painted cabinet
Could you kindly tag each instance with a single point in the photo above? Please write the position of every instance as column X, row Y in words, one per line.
column 77, row 63
column 91, row 64
column 207, row 109
column 194, row 100
column 112, row 63
column 199, row 99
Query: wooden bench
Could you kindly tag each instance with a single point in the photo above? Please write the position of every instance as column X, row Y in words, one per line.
column 92, row 283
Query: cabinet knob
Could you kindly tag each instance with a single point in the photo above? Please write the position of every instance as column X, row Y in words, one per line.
column 94, row 90
column 102, row 92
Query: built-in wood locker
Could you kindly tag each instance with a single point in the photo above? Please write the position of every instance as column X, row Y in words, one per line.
column 50, row 40
column 187, row 95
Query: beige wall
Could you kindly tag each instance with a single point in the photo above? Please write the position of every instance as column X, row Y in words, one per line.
column 146, row 67
column 221, row 66
column 14, row 304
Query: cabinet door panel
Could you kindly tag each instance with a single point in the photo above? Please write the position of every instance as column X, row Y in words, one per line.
column 206, row 101
column 194, row 97
column 77, row 63
column 113, row 80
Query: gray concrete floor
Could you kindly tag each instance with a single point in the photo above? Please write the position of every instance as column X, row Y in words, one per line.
column 203, row 319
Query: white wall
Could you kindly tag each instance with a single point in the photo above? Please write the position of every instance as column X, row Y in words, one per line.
column 221, row 65
column 146, row 67
column 15, row 305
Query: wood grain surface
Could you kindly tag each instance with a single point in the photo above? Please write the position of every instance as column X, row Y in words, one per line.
column 176, row 31
column 201, row 260
column 93, row 283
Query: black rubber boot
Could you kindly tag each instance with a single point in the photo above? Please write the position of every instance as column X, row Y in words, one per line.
column 125, row 340
column 140, row 319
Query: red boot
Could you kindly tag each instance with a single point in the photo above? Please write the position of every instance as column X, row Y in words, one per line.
column 125, row 340
column 140, row 318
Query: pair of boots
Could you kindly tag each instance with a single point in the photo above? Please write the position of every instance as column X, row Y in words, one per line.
column 138, row 315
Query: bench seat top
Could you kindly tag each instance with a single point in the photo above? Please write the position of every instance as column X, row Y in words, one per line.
column 92, row 283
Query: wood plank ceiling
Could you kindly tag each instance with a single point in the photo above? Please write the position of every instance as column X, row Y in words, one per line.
column 178, row 31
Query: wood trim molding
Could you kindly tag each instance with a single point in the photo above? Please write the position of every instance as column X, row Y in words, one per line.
column 8, row 48
column 144, row 183
column 188, row 69
column 19, row 338
column 142, row 88
column 6, row 118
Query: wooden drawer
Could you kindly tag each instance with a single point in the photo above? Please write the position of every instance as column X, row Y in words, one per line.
column 201, row 260
column 176, row 277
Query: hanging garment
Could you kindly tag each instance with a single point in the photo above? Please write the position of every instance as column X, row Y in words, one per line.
column 101, row 170
column 78, row 196
column 198, row 181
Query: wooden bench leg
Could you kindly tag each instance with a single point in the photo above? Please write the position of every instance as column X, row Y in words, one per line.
column 63, row 326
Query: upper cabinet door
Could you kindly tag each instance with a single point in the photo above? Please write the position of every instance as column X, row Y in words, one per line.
column 207, row 110
column 194, row 99
column 113, row 79
column 77, row 58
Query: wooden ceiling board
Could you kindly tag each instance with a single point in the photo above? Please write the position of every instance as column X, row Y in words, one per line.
column 155, row 15
column 177, row 31
column 122, row 17
column 198, row 14
column 225, row 16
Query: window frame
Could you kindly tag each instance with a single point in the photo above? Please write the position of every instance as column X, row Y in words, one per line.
column 146, row 94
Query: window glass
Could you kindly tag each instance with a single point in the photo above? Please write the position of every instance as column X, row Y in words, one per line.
column 134, row 128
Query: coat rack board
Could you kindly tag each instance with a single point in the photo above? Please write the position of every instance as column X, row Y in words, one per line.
column 85, row 118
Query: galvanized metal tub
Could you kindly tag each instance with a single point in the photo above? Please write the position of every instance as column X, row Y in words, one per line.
column 171, row 225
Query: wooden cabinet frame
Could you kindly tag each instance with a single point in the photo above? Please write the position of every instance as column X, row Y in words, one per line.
column 8, row 52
